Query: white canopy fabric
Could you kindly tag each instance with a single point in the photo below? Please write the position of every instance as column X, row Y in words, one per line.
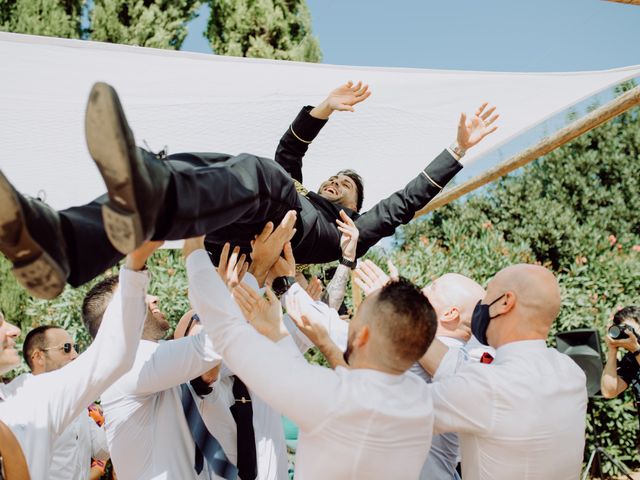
column 201, row 102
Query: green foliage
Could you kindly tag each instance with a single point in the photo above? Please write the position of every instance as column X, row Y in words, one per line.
column 575, row 211
column 54, row 18
column 277, row 29
column 158, row 24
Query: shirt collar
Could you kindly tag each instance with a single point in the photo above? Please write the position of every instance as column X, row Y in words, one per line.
column 518, row 348
column 450, row 341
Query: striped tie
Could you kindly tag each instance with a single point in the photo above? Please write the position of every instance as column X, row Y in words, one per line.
column 206, row 444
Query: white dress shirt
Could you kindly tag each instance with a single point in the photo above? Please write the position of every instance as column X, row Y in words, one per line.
column 445, row 447
column 46, row 404
column 147, row 432
column 357, row 423
column 73, row 450
column 521, row 417
column 271, row 449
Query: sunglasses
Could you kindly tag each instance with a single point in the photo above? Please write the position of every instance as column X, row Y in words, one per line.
column 65, row 347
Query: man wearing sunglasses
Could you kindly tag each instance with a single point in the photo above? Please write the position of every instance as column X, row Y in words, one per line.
column 48, row 348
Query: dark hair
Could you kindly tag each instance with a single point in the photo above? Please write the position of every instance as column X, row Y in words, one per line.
column 407, row 319
column 35, row 340
column 631, row 312
column 96, row 302
column 357, row 179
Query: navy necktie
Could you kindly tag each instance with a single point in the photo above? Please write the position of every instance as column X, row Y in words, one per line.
column 242, row 412
column 206, row 444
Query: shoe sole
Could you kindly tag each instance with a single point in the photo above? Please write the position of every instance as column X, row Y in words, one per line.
column 111, row 145
column 34, row 269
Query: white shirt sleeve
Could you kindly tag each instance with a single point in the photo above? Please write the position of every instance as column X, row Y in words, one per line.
column 303, row 392
column 337, row 328
column 99, row 446
column 67, row 391
column 172, row 363
column 464, row 402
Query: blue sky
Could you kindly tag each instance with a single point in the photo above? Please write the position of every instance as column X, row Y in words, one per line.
column 502, row 35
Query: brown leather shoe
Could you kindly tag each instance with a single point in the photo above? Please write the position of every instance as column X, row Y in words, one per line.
column 31, row 238
column 136, row 185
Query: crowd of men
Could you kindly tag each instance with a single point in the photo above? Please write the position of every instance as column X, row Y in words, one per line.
column 441, row 381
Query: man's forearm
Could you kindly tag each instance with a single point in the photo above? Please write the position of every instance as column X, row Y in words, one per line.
column 609, row 383
column 335, row 291
column 332, row 353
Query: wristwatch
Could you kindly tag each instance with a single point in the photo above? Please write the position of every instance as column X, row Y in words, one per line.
column 457, row 149
column 281, row 284
column 348, row 263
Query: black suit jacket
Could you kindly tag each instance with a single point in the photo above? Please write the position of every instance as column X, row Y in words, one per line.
column 318, row 238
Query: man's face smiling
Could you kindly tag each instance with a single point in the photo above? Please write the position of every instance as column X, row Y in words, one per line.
column 340, row 189
column 9, row 357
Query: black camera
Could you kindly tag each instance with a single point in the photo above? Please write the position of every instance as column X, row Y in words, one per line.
column 620, row 331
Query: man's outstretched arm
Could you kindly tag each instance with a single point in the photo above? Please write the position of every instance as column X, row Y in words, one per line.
column 398, row 209
column 296, row 140
column 274, row 372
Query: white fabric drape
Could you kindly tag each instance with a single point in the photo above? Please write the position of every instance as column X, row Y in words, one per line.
column 201, row 102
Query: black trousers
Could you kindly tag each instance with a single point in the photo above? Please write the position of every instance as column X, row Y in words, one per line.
column 227, row 198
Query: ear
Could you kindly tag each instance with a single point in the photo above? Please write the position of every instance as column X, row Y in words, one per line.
column 362, row 337
column 451, row 319
column 37, row 358
column 506, row 304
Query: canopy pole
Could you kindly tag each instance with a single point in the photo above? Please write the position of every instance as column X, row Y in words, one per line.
column 630, row 2
column 597, row 117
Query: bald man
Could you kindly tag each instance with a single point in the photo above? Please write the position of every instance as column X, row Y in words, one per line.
column 453, row 297
column 522, row 416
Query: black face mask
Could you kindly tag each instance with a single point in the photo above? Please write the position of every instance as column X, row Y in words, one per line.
column 480, row 320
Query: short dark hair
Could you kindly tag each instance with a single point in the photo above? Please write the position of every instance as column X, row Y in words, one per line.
column 35, row 340
column 631, row 312
column 357, row 179
column 407, row 319
column 96, row 302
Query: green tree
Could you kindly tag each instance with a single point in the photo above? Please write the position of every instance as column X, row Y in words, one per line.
column 157, row 24
column 54, row 18
column 277, row 29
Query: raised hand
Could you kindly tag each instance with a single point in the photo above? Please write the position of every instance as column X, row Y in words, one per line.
column 370, row 277
column 265, row 315
column 232, row 268
column 342, row 99
column 137, row 259
column 349, row 238
column 314, row 289
column 471, row 131
column 306, row 323
column 266, row 248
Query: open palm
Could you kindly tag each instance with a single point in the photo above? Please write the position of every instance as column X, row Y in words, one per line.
column 471, row 131
column 346, row 96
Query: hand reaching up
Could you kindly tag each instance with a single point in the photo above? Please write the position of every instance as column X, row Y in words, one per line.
column 232, row 268
column 137, row 259
column 266, row 248
column 349, row 238
column 265, row 315
column 342, row 99
column 370, row 277
column 471, row 131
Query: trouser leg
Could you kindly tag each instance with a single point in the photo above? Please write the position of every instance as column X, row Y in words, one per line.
column 227, row 199
column 89, row 251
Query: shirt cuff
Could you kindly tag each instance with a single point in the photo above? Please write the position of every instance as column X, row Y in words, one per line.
column 135, row 281
column 305, row 127
column 442, row 169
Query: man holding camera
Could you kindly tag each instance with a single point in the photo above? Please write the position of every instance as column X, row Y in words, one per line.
column 623, row 333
